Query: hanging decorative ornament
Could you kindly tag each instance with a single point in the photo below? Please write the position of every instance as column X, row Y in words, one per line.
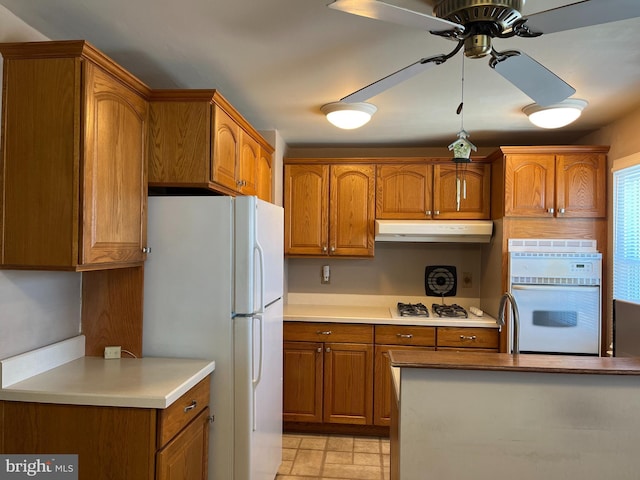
column 462, row 147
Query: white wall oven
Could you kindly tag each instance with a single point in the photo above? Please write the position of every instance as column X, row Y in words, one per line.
column 557, row 287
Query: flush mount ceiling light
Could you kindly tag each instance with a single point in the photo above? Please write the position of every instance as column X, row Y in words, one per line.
column 556, row 115
column 348, row 115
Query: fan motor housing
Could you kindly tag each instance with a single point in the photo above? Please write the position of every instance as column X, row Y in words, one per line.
column 483, row 20
column 503, row 13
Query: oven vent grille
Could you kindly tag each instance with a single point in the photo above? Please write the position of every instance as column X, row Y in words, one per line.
column 571, row 255
column 554, row 281
column 552, row 245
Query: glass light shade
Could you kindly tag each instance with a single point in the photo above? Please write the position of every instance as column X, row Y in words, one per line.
column 348, row 115
column 556, row 115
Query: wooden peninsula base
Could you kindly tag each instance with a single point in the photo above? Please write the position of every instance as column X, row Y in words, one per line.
column 498, row 416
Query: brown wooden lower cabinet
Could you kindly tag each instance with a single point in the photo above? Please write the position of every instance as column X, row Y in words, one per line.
column 115, row 443
column 339, row 374
column 328, row 381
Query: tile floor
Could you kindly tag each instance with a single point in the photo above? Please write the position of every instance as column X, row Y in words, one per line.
column 333, row 457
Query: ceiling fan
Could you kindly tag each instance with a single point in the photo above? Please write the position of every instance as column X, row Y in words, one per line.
column 474, row 23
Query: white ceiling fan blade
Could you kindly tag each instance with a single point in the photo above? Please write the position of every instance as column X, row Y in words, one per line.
column 582, row 14
column 390, row 80
column 391, row 13
column 541, row 84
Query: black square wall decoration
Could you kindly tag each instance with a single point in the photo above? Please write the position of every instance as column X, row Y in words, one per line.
column 440, row 280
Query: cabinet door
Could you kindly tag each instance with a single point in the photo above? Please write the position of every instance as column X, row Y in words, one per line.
column 225, row 149
column 248, row 165
column 403, row 191
column 302, row 382
column 306, row 209
column 529, row 185
column 114, row 170
column 581, row 185
column 265, row 176
column 185, row 457
column 382, row 382
column 462, row 191
column 348, row 383
column 352, row 210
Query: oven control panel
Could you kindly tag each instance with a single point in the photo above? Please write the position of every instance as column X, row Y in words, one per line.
column 581, row 267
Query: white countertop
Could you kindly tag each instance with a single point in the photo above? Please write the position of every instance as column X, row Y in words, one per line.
column 376, row 315
column 127, row 382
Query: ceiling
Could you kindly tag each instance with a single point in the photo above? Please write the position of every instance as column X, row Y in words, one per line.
column 278, row 61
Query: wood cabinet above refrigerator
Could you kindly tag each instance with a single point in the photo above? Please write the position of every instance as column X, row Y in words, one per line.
column 199, row 141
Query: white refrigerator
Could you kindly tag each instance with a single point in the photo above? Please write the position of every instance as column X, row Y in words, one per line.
column 213, row 290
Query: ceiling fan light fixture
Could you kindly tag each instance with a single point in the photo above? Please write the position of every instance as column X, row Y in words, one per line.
column 349, row 116
column 556, row 115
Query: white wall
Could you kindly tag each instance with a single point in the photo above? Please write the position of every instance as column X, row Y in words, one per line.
column 36, row 308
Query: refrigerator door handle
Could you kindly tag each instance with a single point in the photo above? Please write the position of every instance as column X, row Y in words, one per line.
column 255, row 379
column 258, row 248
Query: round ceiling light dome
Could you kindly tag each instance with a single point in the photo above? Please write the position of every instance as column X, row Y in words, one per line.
column 348, row 116
column 556, row 115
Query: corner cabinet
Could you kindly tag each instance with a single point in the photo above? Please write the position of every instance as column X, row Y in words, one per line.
column 74, row 178
column 329, row 209
column 431, row 190
column 116, row 442
column 199, row 141
column 562, row 182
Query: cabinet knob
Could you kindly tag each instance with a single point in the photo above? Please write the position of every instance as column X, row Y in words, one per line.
column 324, row 248
column 428, row 213
column 467, row 337
column 436, row 212
column 561, row 210
column 146, row 249
column 333, row 249
column 404, row 335
column 328, row 350
column 319, row 350
column 551, row 210
column 324, row 332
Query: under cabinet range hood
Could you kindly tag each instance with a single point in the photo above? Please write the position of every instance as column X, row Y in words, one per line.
column 443, row 231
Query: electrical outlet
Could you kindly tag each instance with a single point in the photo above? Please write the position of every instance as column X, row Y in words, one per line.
column 112, row 352
column 467, row 280
column 325, row 274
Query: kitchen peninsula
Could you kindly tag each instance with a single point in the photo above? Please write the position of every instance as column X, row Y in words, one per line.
column 499, row 416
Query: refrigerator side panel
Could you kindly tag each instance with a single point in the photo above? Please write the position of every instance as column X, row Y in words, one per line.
column 188, row 301
column 258, row 384
column 259, row 237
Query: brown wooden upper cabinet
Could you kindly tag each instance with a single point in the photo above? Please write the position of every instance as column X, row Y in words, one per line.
column 555, row 181
column 198, row 140
column 433, row 191
column 74, row 159
column 329, row 209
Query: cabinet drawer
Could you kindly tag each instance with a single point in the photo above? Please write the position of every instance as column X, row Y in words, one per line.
column 328, row 332
column 467, row 337
column 175, row 417
column 405, row 335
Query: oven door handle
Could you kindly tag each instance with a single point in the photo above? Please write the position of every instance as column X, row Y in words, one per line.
column 546, row 288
